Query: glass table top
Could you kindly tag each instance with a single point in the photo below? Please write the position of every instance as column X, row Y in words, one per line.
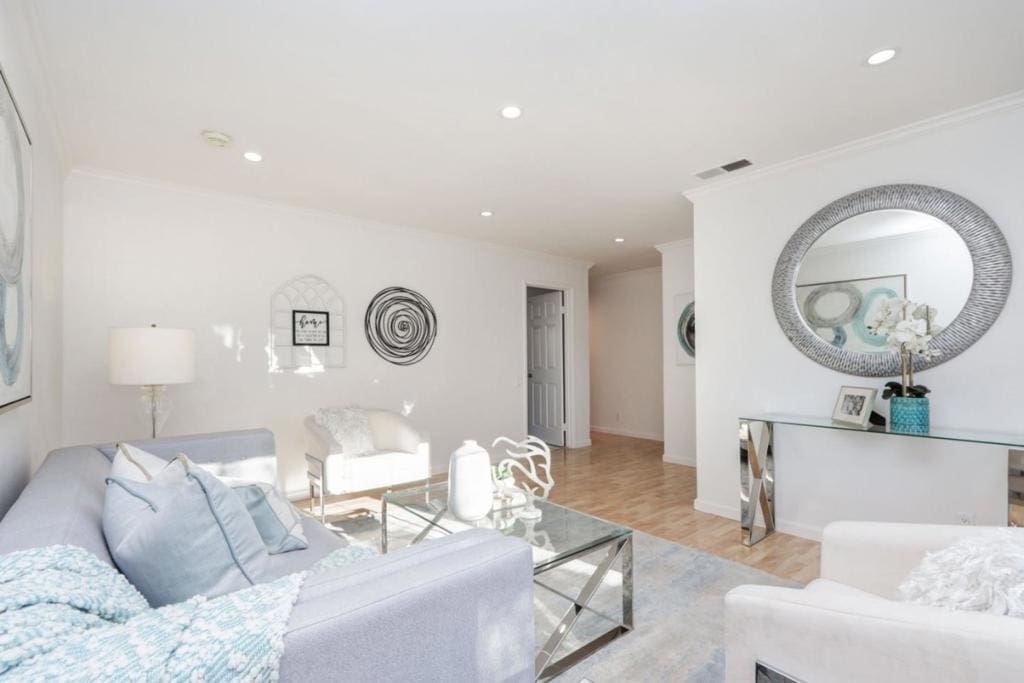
column 559, row 533
column 1008, row 439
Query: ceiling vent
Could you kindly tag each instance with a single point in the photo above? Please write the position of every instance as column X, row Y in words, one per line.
column 724, row 168
column 216, row 138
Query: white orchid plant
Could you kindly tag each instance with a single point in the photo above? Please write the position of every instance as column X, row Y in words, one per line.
column 908, row 329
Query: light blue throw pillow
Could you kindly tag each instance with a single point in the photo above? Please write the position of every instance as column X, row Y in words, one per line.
column 277, row 520
column 182, row 534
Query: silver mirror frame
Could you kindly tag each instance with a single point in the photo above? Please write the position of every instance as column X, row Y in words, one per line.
column 993, row 273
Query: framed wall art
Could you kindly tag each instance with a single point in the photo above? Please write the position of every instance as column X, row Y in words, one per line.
column 311, row 328
column 15, row 252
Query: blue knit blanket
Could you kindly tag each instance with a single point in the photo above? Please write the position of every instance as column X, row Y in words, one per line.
column 66, row 615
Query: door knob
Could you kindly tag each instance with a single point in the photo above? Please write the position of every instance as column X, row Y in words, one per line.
column 529, row 375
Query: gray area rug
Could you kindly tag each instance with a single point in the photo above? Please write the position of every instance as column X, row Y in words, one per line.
column 677, row 601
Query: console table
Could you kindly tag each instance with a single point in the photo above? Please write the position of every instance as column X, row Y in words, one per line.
column 757, row 465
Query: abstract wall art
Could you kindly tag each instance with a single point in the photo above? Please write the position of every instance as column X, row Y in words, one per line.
column 686, row 329
column 400, row 325
column 15, row 252
column 836, row 311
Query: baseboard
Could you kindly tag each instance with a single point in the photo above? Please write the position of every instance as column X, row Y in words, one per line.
column 627, row 432
column 808, row 531
column 727, row 511
column 687, row 460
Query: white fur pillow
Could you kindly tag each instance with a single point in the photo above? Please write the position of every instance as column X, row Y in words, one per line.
column 349, row 426
column 983, row 573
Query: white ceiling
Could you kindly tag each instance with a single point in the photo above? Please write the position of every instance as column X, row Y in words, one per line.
column 388, row 110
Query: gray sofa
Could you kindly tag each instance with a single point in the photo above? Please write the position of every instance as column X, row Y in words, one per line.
column 455, row 609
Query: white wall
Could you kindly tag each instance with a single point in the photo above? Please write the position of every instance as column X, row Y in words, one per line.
column 679, row 380
column 748, row 366
column 625, row 354
column 138, row 253
column 29, row 430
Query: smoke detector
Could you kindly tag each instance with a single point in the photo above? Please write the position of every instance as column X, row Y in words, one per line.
column 724, row 168
column 215, row 138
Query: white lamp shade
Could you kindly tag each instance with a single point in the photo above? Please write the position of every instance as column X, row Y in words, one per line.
column 151, row 355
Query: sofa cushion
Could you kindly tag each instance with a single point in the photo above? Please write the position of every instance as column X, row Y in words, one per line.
column 322, row 541
column 183, row 533
column 374, row 470
column 61, row 504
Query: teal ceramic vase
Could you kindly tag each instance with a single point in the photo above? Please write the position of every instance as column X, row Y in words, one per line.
column 909, row 415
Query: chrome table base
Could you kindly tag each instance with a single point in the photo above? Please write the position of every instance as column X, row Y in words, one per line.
column 757, row 481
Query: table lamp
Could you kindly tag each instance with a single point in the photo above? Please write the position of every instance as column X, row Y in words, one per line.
column 152, row 357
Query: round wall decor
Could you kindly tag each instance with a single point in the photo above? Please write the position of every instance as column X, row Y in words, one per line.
column 686, row 331
column 400, row 325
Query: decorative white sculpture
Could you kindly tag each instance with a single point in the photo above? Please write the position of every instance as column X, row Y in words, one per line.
column 536, row 471
column 470, row 496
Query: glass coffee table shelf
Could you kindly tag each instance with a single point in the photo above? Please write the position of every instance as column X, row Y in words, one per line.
column 578, row 561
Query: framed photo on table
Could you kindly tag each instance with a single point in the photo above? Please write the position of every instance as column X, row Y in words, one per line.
column 854, row 406
column 311, row 328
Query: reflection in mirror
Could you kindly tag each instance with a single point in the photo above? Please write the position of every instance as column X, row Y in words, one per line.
column 877, row 255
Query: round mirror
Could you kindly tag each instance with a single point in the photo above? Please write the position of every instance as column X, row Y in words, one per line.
column 894, row 241
column 864, row 260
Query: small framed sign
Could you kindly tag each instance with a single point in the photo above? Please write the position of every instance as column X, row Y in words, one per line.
column 311, row 328
column 854, row 406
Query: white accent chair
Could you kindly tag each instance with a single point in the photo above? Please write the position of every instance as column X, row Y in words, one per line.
column 849, row 625
column 401, row 454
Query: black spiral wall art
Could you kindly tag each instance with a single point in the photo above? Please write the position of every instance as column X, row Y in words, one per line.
column 400, row 325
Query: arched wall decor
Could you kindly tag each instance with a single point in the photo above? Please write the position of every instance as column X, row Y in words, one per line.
column 306, row 293
column 400, row 325
column 992, row 268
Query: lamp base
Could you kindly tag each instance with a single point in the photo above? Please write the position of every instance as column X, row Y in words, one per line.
column 156, row 406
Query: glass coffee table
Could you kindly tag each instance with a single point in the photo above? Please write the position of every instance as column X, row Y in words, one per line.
column 579, row 561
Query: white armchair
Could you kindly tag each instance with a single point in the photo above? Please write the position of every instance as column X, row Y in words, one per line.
column 848, row 626
column 401, row 454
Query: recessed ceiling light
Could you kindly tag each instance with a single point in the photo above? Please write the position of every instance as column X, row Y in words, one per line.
column 511, row 112
column 486, row 214
column 620, row 240
column 215, row 138
column 882, row 56
column 253, row 156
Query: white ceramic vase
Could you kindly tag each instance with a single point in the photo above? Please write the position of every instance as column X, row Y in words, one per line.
column 470, row 491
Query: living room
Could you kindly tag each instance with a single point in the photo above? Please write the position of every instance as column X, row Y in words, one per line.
column 376, row 238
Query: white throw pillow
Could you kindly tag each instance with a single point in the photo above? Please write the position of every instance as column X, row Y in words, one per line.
column 983, row 573
column 136, row 464
column 350, row 427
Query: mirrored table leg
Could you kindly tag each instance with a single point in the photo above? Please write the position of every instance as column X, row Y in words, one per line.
column 1015, row 485
column 757, row 480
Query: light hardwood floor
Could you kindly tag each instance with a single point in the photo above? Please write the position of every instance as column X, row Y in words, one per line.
column 624, row 480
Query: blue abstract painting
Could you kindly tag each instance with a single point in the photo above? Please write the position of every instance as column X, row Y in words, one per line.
column 836, row 311
column 15, row 252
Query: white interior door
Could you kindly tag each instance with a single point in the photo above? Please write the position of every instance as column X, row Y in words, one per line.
column 545, row 367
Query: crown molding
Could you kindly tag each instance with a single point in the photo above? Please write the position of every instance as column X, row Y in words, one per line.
column 958, row 116
column 103, row 174
column 665, row 246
